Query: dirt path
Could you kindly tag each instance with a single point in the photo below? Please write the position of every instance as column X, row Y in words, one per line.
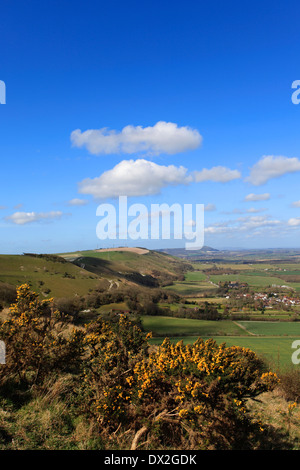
column 243, row 328
column 112, row 283
column 211, row 282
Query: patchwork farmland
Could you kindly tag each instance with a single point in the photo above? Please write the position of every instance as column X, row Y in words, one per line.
column 256, row 297
column 258, row 300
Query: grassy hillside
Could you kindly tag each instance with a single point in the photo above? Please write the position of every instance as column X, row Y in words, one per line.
column 75, row 274
column 49, row 277
column 153, row 263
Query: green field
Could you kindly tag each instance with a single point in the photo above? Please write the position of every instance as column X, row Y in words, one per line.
column 119, row 306
column 257, row 276
column 193, row 276
column 171, row 326
column 269, row 328
column 254, row 279
column 271, row 341
column 189, row 289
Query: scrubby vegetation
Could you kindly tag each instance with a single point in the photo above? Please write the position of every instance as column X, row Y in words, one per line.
column 8, row 294
column 101, row 386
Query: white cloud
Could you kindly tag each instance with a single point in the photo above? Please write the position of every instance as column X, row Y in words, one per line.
column 22, row 218
column 295, row 204
column 216, row 229
column 78, row 202
column 251, row 222
column 163, row 137
column 218, row 174
column 210, row 207
column 142, row 177
column 134, row 178
column 269, row 167
column 190, row 223
column 233, row 211
column 252, row 210
column 249, row 225
column 257, row 197
column 294, row 222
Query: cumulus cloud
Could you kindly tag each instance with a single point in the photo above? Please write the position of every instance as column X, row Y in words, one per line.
column 190, row 223
column 134, row 178
column 22, row 218
column 78, row 202
column 294, row 222
column 249, row 225
column 163, row 137
column 257, row 197
column 295, row 204
column 142, row 177
column 253, row 210
column 210, row 207
column 269, row 167
column 218, row 174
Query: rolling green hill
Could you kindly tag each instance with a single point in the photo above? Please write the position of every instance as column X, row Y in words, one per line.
column 47, row 276
column 131, row 265
column 72, row 274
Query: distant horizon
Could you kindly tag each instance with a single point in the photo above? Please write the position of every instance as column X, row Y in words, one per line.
column 157, row 249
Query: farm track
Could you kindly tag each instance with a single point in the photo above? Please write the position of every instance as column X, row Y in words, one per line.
column 244, row 328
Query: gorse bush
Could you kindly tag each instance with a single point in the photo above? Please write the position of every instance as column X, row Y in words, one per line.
column 176, row 396
column 202, row 390
column 7, row 294
column 191, row 396
column 290, row 384
column 34, row 339
column 111, row 351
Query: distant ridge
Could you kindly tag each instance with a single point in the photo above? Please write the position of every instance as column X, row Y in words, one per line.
column 184, row 252
column 137, row 250
column 208, row 248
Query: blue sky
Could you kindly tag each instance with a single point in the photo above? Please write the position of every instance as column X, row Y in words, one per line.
column 201, row 85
